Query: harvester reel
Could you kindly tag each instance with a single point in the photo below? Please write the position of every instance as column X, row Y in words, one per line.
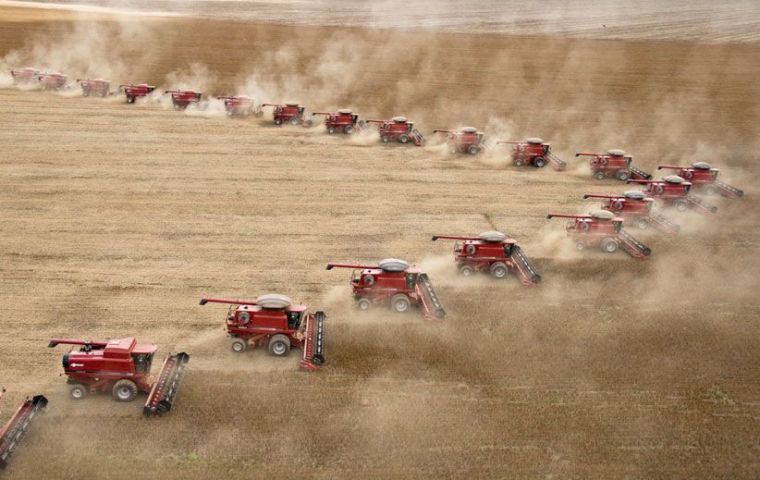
column 400, row 303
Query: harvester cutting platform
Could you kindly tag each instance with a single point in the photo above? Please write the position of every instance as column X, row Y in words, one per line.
column 344, row 120
column 466, row 140
column 704, row 179
column 275, row 322
column 393, row 282
column 240, row 106
column 398, row 129
column 181, row 99
column 535, row 152
column 614, row 163
column 603, row 230
column 133, row 92
column 291, row 113
column 673, row 191
column 495, row 253
column 16, row 427
column 122, row 366
column 94, row 87
column 636, row 208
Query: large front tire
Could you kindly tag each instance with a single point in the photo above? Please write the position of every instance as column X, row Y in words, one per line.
column 78, row 392
column 279, row 345
column 124, row 390
column 400, row 303
column 238, row 345
column 499, row 270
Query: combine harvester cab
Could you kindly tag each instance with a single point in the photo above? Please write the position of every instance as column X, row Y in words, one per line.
column 673, row 191
column 94, row 87
column 344, row 120
column 133, row 92
column 12, row 433
column 636, row 208
column 275, row 322
column 394, row 283
column 603, row 230
column 466, row 140
column 181, row 99
column 398, row 129
column 240, row 106
column 122, row 367
column 535, row 152
column 493, row 253
column 24, row 75
column 52, row 80
column 704, row 179
column 291, row 113
column 614, row 164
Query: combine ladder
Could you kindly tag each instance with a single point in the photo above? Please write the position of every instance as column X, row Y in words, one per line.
column 165, row 388
column 662, row 224
column 700, row 205
column 13, row 431
column 727, row 190
column 556, row 162
column 633, row 247
column 639, row 174
column 431, row 306
column 527, row 272
column 314, row 342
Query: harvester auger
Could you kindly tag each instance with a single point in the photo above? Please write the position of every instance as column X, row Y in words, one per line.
column 16, row 427
column 275, row 322
column 465, row 140
column 94, row 87
column 394, row 283
column 495, row 253
column 24, row 75
column 181, row 99
column 344, row 120
column 704, row 179
column 673, row 191
column 636, row 208
column 291, row 113
column 240, row 106
column 122, row 366
column 133, row 92
column 398, row 129
column 52, row 80
column 614, row 163
column 535, row 152
column 602, row 229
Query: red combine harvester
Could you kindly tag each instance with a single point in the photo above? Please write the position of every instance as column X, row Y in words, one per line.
column 494, row 253
column 344, row 120
column 535, row 152
column 398, row 129
column 704, row 179
column 52, row 80
column 673, row 191
column 240, row 106
column 133, row 92
column 181, row 99
column 291, row 113
column 96, row 86
column 602, row 229
column 466, row 140
column 273, row 321
column 14, row 429
column 122, row 366
column 614, row 163
column 24, row 75
column 636, row 208
column 393, row 282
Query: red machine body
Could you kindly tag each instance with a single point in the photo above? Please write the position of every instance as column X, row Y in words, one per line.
column 122, row 367
column 52, row 80
column 603, row 230
column 466, row 140
column 291, row 113
column 13, row 431
column 615, row 164
column 133, row 92
column 240, row 105
column 398, row 129
column 273, row 321
column 673, row 191
column 24, row 75
column 96, row 86
column 181, row 99
column 492, row 252
column 636, row 208
column 344, row 120
column 394, row 283
column 704, row 179
column 535, row 152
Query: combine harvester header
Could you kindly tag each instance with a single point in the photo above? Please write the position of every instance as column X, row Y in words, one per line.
column 673, row 191
column 636, row 208
column 533, row 151
column 704, row 179
column 602, row 229
column 16, row 427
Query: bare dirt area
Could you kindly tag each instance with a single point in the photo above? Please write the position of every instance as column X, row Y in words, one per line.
column 115, row 219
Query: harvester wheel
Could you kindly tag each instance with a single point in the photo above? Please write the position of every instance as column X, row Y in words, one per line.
column 473, row 150
column 609, row 245
column 400, row 303
column 124, row 390
column 278, row 121
column 85, row 93
column 539, row 162
column 518, row 162
column 403, row 138
column 499, row 270
column 599, row 175
column 385, row 139
column 78, row 392
column 330, row 130
column 238, row 345
column 622, row 175
column 580, row 246
column 294, row 121
column 681, row 205
column 348, row 129
column 363, row 304
column 466, row 271
column 130, row 99
column 279, row 345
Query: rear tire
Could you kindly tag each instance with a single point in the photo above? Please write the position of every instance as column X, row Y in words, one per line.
column 599, row 175
column 279, row 345
column 403, row 138
column 609, row 245
column 348, row 129
column 363, row 304
column 130, row 99
column 400, row 303
column 622, row 175
column 499, row 270
column 330, row 130
column 278, row 121
column 294, row 121
column 467, row 271
column 473, row 150
column 385, row 139
column 78, row 392
column 539, row 162
column 238, row 345
column 124, row 390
